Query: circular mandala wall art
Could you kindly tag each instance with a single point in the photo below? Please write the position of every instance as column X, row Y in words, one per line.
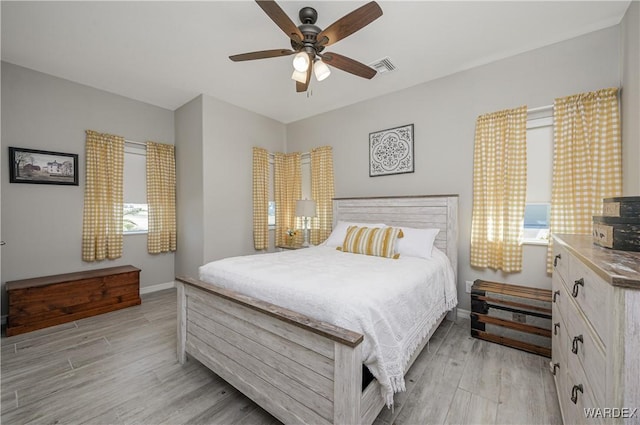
column 391, row 151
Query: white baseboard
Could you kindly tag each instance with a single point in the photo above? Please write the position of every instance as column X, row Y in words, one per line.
column 463, row 314
column 157, row 287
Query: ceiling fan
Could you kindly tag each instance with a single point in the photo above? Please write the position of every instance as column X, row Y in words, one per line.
column 309, row 41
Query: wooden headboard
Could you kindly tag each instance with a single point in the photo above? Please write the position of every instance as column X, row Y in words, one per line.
column 427, row 211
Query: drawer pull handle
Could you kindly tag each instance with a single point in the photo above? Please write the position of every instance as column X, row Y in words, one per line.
column 554, row 367
column 555, row 328
column 556, row 294
column 555, row 260
column 574, row 393
column 577, row 284
column 574, row 344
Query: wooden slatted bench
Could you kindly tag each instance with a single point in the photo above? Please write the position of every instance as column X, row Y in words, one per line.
column 51, row 300
column 512, row 315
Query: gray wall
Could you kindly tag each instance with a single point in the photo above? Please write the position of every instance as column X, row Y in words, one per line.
column 444, row 113
column 190, row 200
column 630, row 37
column 215, row 214
column 214, row 140
column 42, row 224
column 230, row 133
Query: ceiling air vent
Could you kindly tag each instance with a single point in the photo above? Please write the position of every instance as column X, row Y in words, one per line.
column 383, row 65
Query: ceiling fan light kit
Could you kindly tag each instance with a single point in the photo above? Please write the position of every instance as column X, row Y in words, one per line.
column 321, row 70
column 299, row 76
column 301, row 62
column 309, row 41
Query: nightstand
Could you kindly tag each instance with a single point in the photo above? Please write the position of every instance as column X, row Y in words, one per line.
column 283, row 247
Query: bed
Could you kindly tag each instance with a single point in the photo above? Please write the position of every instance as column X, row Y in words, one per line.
column 299, row 368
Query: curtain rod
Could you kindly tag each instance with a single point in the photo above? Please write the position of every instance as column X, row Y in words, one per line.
column 133, row 142
column 540, row 108
column 305, row 154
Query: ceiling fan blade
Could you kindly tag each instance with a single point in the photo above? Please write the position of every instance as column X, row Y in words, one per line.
column 302, row 87
column 349, row 65
column 281, row 19
column 262, row 54
column 349, row 24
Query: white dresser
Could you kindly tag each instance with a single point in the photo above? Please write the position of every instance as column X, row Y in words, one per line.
column 596, row 332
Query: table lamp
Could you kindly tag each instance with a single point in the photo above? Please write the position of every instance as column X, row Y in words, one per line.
column 306, row 208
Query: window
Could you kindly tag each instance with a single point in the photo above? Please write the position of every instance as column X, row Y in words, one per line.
column 135, row 218
column 536, row 223
column 135, row 212
column 305, row 170
column 271, row 218
column 539, row 171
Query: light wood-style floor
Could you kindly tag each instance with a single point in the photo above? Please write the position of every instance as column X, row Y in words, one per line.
column 121, row 368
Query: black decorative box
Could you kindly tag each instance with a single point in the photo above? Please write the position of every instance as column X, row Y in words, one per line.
column 619, row 226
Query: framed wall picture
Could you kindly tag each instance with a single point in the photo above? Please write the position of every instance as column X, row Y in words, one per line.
column 42, row 167
column 391, row 151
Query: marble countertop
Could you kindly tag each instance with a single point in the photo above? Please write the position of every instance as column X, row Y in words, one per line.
column 619, row 268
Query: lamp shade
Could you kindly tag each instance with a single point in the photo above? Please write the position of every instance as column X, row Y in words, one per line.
column 301, row 61
column 321, row 70
column 306, row 208
column 300, row 77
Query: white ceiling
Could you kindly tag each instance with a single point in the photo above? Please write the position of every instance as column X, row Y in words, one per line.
column 167, row 53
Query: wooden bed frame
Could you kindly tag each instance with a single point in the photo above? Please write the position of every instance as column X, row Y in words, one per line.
column 299, row 369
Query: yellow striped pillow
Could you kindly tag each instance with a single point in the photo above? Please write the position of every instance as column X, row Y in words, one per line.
column 372, row 241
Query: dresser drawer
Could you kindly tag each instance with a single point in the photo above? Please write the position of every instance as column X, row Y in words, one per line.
column 584, row 350
column 605, row 313
column 561, row 261
column 560, row 378
column 559, row 335
column 592, row 295
column 578, row 397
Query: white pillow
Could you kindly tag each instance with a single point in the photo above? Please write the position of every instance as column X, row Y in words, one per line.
column 416, row 242
column 336, row 238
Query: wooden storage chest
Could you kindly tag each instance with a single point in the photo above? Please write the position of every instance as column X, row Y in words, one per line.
column 512, row 315
column 51, row 300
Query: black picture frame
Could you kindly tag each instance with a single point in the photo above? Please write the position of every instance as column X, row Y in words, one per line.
column 391, row 151
column 42, row 167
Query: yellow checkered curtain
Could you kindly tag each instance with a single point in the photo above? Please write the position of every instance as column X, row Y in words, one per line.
column 587, row 160
column 161, row 198
column 323, row 192
column 103, row 198
column 260, row 198
column 499, row 189
column 287, row 190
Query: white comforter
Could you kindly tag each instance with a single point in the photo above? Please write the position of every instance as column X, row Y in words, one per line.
column 393, row 303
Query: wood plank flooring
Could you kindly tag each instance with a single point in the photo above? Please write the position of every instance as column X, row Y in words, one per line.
column 121, row 368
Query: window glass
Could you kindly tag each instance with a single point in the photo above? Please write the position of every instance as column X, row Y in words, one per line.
column 539, row 170
column 135, row 213
column 536, row 216
column 272, row 214
column 135, row 218
column 536, row 223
